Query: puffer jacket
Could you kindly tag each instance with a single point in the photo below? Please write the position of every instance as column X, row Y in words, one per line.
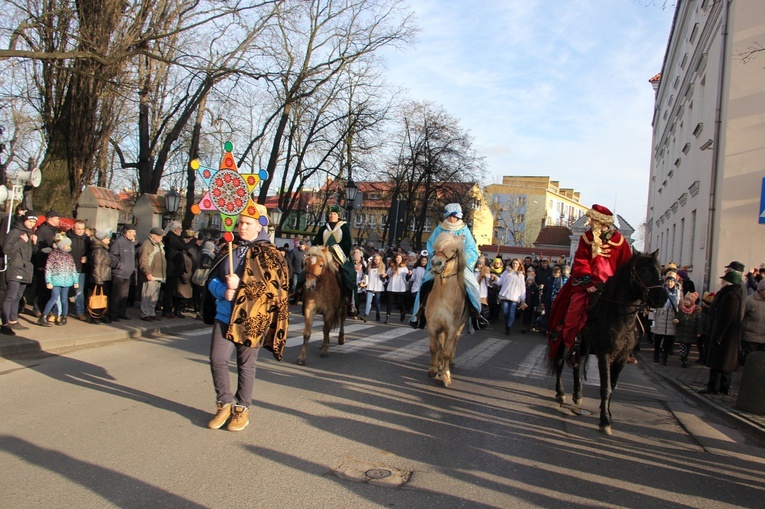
column 60, row 269
column 663, row 318
column 101, row 270
column 753, row 328
column 689, row 327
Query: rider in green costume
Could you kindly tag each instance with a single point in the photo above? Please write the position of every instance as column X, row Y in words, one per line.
column 335, row 232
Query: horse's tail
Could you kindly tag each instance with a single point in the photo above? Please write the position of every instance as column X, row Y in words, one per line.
column 553, row 354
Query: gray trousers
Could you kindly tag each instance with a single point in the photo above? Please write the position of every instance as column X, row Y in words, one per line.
column 220, row 356
column 149, row 297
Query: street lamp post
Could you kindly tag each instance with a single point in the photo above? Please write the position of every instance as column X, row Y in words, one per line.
column 351, row 190
column 276, row 218
column 172, row 202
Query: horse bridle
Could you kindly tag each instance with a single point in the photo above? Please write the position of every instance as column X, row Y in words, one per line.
column 447, row 259
column 646, row 288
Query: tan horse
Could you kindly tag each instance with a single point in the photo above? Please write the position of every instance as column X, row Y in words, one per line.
column 322, row 295
column 446, row 311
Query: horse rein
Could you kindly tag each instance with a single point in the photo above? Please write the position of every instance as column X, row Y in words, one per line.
column 447, row 259
column 634, row 276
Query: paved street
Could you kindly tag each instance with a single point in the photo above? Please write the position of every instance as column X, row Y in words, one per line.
column 123, row 425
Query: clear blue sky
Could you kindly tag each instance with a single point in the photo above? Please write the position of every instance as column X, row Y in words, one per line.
column 546, row 87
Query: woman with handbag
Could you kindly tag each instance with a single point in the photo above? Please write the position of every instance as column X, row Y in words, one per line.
column 101, row 277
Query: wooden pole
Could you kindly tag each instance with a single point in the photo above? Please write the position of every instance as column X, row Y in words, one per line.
column 230, row 257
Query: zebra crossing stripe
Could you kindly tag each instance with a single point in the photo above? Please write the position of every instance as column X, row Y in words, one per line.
column 295, row 336
column 534, row 366
column 479, row 354
column 375, row 339
column 410, row 351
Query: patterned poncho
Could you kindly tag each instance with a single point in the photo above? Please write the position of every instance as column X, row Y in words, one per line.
column 260, row 311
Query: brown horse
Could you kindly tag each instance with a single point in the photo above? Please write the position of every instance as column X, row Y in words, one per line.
column 446, row 310
column 322, row 295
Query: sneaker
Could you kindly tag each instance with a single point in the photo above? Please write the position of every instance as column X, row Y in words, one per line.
column 7, row 331
column 239, row 418
column 224, row 411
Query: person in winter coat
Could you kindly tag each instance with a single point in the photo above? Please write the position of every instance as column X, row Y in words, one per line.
column 664, row 327
column 495, row 306
column 60, row 275
column 532, row 301
column 725, row 334
column 152, row 269
column 80, row 253
column 688, row 326
column 19, row 247
column 753, row 327
column 46, row 237
column 174, row 248
column 706, row 324
column 512, row 293
column 101, row 266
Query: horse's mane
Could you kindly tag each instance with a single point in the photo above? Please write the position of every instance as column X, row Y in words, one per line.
column 319, row 252
column 620, row 281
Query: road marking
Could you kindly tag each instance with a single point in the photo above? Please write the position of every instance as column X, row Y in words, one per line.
column 410, row 351
column 534, row 365
column 479, row 354
column 376, row 339
column 295, row 337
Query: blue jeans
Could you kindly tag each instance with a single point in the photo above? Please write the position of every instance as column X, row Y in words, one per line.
column 58, row 292
column 508, row 308
column 79, row 295
column 368, row 307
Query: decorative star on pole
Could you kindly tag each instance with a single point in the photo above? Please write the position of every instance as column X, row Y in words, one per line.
column 229, row 192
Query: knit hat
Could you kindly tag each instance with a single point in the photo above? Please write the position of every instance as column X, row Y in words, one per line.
column 334, row 208
column 683, row 274
column 31, row 214
column 64, row 244
column 104, row 234
column 52, row 213
column 693, row 296
column 128, row 227
column 708, row 297
column 453, row 209
column 732, row 277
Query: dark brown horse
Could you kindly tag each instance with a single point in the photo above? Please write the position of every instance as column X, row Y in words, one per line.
column 322, row 295
column 612, row 330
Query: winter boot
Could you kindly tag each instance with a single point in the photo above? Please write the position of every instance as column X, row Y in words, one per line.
column 224, row 412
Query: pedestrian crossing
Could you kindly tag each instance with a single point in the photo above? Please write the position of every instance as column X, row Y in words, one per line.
column 401, row 344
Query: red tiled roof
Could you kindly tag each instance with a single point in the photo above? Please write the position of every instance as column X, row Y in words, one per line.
column 106, row 198
column 657, row 77
column 554, row 236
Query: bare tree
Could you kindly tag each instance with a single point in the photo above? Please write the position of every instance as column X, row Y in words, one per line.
column 317, row 40
column 78, row 55
column 435, row 161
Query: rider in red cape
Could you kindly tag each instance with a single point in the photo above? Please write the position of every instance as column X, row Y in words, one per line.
column 601, row 251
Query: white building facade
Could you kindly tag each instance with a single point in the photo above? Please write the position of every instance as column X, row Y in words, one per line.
column 707, row 180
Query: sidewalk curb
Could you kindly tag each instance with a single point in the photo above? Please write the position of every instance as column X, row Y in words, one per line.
column 19, row 346
column 742, row 421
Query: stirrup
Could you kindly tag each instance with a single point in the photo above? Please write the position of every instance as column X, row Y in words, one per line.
column 571, row 356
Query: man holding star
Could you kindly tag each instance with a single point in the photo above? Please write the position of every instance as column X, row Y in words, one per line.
column 250, row 284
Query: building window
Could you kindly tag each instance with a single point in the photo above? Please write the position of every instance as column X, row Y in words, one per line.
column 682, row 235
column 693, row 234
column 358, row 220
column 694, row 33
column 684, row 62
column 427, row 227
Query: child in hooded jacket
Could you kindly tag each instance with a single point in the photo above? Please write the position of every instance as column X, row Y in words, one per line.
column 687, row 326
column 60, row 275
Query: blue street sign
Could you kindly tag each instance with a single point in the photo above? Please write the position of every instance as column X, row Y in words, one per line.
column 762, row 203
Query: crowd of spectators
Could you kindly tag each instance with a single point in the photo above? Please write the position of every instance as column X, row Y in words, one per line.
column 46, row 265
